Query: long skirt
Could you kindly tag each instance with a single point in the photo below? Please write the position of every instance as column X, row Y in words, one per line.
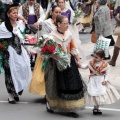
column 37, row 85
column 66, row 103
column 8, row 78
column 87, row 19
column 111, row 96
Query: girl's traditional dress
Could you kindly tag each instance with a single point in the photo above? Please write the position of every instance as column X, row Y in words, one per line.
column 16, row 62
column 64, row 90
column 74, row 30
column 37, row 85
column 98, row 94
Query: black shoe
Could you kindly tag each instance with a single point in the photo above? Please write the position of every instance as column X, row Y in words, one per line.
column 99, row 112
column 20, row 93
column 95, row 111
column 49, row 110
column 72, row 114
column 12, row 102
column 107, row 58
column 16, row 99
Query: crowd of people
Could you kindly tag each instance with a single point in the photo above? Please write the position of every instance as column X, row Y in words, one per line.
column 64, row 91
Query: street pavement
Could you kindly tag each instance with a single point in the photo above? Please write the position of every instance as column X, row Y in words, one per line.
column 32, row 107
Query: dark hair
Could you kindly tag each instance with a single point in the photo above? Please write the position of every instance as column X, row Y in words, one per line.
column 7, row 20
column 58, row 0
column 53, row 8
column 59, row 19
column 100, row 53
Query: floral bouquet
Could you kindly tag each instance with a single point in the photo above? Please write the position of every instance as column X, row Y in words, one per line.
column 48, row 49
column 77, row 15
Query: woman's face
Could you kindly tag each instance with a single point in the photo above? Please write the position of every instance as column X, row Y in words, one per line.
column 61, row 4
column 13, row 15
column 56, row 12
column 31, row 2
column 97, row 4
column 64, row 24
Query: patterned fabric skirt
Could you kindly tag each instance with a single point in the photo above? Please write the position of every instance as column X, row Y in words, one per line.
column 56, row 102
column 8, row 78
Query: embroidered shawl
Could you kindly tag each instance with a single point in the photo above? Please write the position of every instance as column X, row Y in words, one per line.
column 25, row 8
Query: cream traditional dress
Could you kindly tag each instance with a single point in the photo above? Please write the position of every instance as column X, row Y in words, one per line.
column 64, row 90
column 37, row 85
column 98, row 94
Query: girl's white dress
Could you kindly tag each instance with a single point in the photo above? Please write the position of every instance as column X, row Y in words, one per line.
column 98, row 94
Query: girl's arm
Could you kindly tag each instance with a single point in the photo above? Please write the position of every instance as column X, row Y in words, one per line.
column 84, row 66
column 107, row 75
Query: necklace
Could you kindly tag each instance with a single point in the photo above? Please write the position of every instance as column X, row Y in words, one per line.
column 60, row 32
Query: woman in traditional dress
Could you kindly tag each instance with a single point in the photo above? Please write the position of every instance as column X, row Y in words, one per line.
column 64, row 90
column 16, row 62
column 87, row 9
column 73, row 28
column 37, row 85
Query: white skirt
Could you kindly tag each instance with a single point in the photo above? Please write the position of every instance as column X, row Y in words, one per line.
column 110, row 97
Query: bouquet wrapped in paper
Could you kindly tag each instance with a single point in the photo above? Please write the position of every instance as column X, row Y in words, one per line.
column 77, row 15
column 48, row 48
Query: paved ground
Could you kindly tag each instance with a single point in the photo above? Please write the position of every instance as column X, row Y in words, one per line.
column 31, row 106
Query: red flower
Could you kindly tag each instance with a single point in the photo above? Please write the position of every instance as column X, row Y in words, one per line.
column 2, row 47
column 46, row 47
column 43, row 50
column 52, row 49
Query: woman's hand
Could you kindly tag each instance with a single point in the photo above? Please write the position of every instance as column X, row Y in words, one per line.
column 78, row 63
column 22, row 18
column 104, row 83
column 37, row 24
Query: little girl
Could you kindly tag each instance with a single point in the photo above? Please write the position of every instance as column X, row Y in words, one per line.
column 99, row 89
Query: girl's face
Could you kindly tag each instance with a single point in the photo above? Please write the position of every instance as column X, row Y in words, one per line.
column 56, row 12
column 97, row 58
column 61, row 4
column 97, row 4
column 64, row 24
column 13, row 15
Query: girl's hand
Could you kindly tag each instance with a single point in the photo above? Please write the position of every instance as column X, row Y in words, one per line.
column 104, row 83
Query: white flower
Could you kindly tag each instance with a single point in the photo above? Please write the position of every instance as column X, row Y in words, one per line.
column 45, row 36
column 40, row 38
column 51, row 37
